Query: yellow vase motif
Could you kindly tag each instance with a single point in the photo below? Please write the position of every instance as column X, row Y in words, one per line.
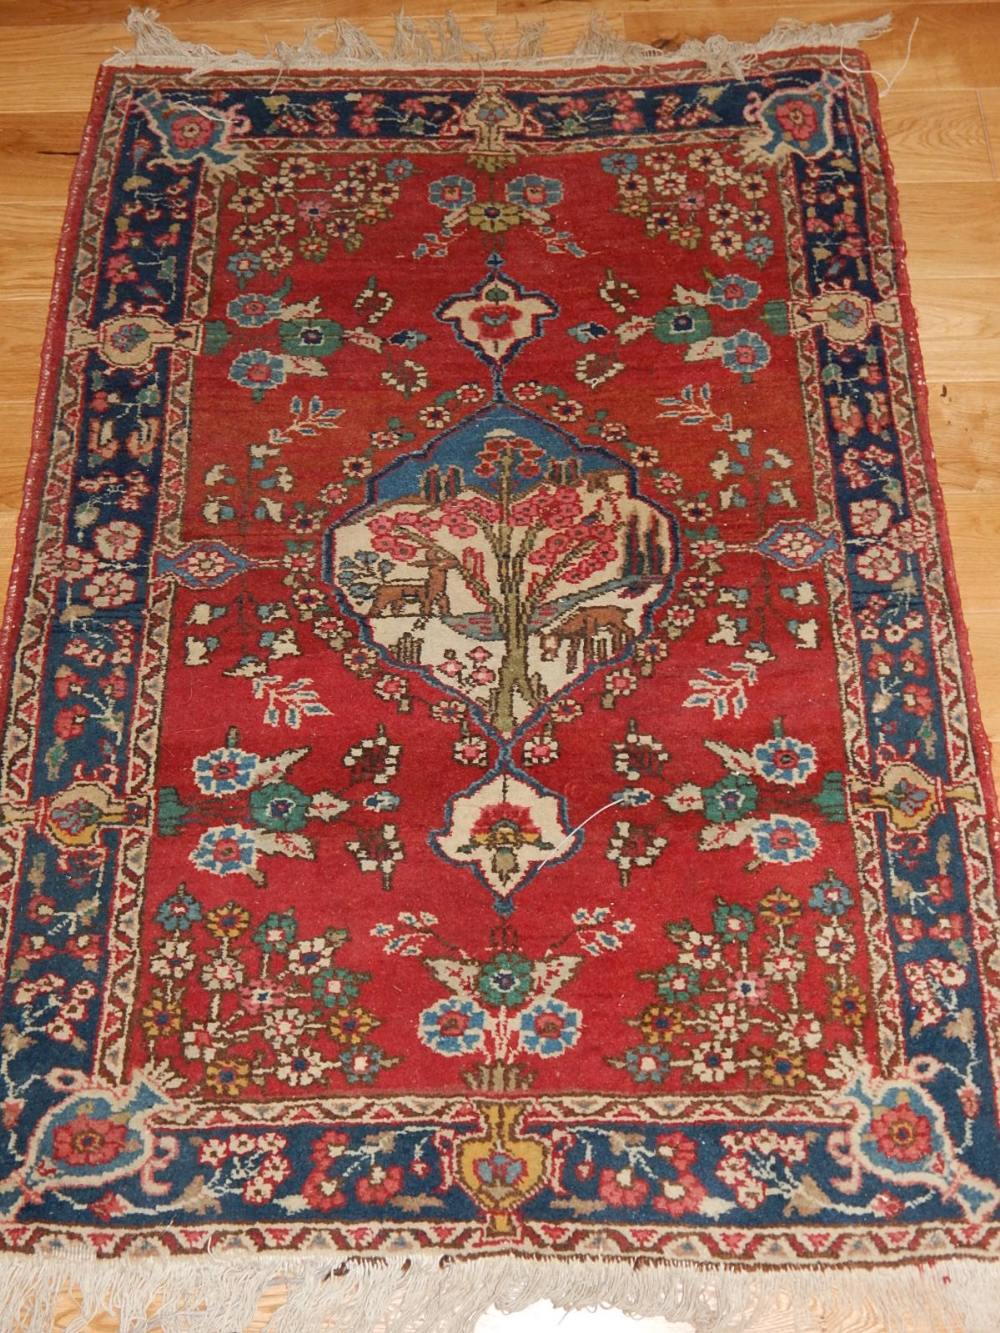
column 500, row 1169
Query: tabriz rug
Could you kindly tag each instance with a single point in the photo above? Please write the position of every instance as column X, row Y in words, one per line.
column 491, row 781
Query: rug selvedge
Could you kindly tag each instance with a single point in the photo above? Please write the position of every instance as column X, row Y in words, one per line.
column 512, row 447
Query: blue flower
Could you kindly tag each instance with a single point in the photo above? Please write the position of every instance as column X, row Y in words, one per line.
column 745, row 352
column 398, row 169
column 549, row 1027
column 733, row 292
column 620, row 164
column 382, row 801
column 251, row 310
column 179, row 912
column 535, row 191
column 784, row 759
column 758, row 249
column 452, row 1027
column 258, row 370
column 783, row 840
column 451, row 192
column 831, row 896
column 230, row 850
column 223, row 771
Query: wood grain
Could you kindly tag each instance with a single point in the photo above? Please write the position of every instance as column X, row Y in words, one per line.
column 942, row 119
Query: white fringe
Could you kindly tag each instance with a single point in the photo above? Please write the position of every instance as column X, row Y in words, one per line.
column 441, row 44
column 424, row 1293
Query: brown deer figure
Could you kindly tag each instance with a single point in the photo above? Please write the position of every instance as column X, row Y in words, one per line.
column 584, row 632
column 428, row 596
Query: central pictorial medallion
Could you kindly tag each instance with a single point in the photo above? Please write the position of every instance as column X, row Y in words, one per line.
column 506, row 563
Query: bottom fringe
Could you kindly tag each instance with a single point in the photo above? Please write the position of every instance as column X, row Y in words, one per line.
column 434, row 1294
column 442, row 44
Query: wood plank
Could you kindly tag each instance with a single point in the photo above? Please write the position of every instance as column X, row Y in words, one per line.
column 28, row 240
column 957, row 308
column 951, row 229
column 989, row 107
column 962, row 417
column 954, row 47
column 183, row 14
column 958, row 359
column 936, row 136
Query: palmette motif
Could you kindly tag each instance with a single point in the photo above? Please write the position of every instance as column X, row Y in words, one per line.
column 487, row 760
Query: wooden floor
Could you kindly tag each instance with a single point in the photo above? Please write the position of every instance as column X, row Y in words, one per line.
column 942, row 118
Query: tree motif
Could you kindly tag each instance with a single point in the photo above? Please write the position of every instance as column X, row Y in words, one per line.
column 518, row 579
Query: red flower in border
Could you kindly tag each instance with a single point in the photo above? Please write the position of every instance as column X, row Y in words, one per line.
column 680, row 1196
column 622, row 1189
column 380, row 1185
column 901, row 1134
column 88, row 1142
column 798, row 118
column 320, row 1189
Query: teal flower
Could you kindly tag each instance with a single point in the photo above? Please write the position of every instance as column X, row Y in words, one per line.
column 310, row 337
column 677, row 982
column 451, row 192
column 682, row 324
column 506, row 979
column 258, row 370
column 499, row 1168
column 733, row 292
column 178, row 912
column 744, row 353
column 362, row 1064
column 619, row 164
column 732, row 921
column 648, row 1064
column 758, row 249
column 831, row 896
column 252, row 310
column 245, row 266
column 276, row 932
column 732, row 797
column 535, row 191
column 336, row 987
column 279, row 807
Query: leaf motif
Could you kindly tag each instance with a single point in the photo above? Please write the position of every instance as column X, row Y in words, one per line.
column 717, row 836
column 737, row 761
column 457, row 975
column 551, row 973
column 286, row 844
column 325, row 805
column 275, row 766
column 686, row 797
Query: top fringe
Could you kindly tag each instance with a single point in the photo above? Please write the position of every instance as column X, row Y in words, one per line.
column 441, row 44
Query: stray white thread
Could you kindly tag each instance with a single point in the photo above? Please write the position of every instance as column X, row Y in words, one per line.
column 888, row 84
column 573, row 832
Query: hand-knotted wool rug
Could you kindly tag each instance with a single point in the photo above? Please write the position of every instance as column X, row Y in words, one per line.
column 493, row 804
